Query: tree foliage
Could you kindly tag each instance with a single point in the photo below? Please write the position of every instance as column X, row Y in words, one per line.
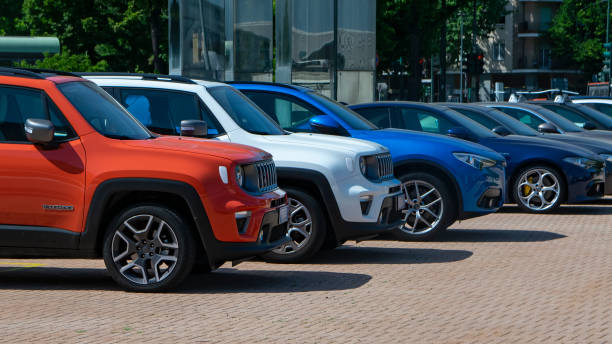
column 577, row 34
column 67, row 62
column 129, row 35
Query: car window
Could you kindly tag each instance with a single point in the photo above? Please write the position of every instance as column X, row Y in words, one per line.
column 103, row 112
column 421, row 120
column 244, row 112
column 569, row 114
column 478, row 117
column 380, row 116
column 523, row 116
column 19, row 104
column 289, row 112
column 604, row 108
column 162, row 111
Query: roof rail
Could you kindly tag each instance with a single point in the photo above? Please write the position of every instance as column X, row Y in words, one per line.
column 19, row 72
column 294, row 87
column 50, row 71
column 144, row 76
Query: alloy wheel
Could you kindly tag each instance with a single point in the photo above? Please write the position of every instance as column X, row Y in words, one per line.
column 299, row 228
column 145, row 249
column 538, row 189
column 424, row 207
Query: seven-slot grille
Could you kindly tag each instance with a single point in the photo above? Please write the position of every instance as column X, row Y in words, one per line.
column 385, row 166
column 266, row 176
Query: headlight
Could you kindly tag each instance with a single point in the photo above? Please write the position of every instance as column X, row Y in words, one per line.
column 240, row 175
column 474, row 160
column 606, row 157
column 363, row 166
column 583, row 162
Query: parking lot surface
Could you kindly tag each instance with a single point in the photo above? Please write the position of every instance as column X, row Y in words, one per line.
column 504, row 278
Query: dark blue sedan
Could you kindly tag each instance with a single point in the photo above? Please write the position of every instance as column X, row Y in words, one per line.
column 541, row 173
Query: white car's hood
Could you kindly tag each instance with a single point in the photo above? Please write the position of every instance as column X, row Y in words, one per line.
column 330, row 142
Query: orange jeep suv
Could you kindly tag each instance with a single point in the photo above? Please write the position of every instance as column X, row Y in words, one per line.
column 81, row 178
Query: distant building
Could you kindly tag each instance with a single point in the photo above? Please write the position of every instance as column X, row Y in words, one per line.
column 518, row 54
column 17, row 48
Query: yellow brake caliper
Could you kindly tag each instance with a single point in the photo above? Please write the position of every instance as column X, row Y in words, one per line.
column 527, row 188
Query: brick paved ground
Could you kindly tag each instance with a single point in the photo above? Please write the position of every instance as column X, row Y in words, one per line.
column 504, row 278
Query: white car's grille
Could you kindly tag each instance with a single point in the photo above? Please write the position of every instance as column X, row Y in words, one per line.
column 385, row 166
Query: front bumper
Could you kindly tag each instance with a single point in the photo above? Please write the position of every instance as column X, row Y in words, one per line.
column 482, row 191
column 389, row 216
column 584, row 184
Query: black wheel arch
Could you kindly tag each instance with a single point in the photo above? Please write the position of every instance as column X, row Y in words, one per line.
column 113, row 195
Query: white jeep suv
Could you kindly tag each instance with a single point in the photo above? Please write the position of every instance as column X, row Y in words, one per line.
column 338, row 188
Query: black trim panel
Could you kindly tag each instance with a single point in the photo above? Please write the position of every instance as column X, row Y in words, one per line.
column 37, row 237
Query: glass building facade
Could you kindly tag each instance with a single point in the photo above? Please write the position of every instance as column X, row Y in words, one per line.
column 327, row 45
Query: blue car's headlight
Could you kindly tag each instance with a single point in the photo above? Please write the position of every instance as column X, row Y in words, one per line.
column 474, row 160
column 606, row 157
column 583, row 162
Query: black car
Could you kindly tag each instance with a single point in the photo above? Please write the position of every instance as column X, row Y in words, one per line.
column 581, row 115
column 546, row 121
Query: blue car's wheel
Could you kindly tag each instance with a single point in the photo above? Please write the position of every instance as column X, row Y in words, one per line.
column 538, row 189
column 429, row 207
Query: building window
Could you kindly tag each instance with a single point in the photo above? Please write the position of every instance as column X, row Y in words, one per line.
column 499, row 51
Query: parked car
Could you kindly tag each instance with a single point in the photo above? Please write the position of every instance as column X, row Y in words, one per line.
column 601, row 104
column 81, row 178
column 503, row 125
column 339, row 188
column 445, row 179
column 581, row 115
column 546, row 121
column 541, row 174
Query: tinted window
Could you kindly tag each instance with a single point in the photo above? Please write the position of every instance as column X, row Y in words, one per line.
column 162, row 111
column 604, row 108
column 102, row 112
column 377, row 115
column 523, row 116
column 420, row 120
column 480, row 118
column 289, row 112
column 350, row 117
column 19, row 104
column 244, row 112
column 568, row 114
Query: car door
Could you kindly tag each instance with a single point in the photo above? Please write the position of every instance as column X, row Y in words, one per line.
column 289, row 112
column 41, row 188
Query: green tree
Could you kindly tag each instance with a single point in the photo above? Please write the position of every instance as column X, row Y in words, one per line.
column 577, row 35
column 10, row 13
column 414, row 29
column 66, row 62
column 128, row 34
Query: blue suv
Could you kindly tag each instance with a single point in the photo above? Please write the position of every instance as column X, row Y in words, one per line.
column 445, row 179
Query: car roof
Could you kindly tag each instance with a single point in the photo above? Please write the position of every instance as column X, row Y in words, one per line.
column 270, row 85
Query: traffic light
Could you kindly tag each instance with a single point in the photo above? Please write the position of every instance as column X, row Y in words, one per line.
column 479, row 63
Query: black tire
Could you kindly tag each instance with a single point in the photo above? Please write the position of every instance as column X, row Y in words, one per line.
column 537, row 205
column 318, row 229
column 445, row 208
column 149, row 247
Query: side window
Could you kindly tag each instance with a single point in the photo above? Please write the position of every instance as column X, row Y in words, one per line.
column 605, row 108
column 289, row 112
column 571, row 115
column 480, row 118
column 162, row 111
column 524, row 116
column 415, row 119
column 378, row 115
column 19, row 104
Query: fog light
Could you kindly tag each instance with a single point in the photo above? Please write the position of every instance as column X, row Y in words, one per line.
column 365, row 202
column 242, row 221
